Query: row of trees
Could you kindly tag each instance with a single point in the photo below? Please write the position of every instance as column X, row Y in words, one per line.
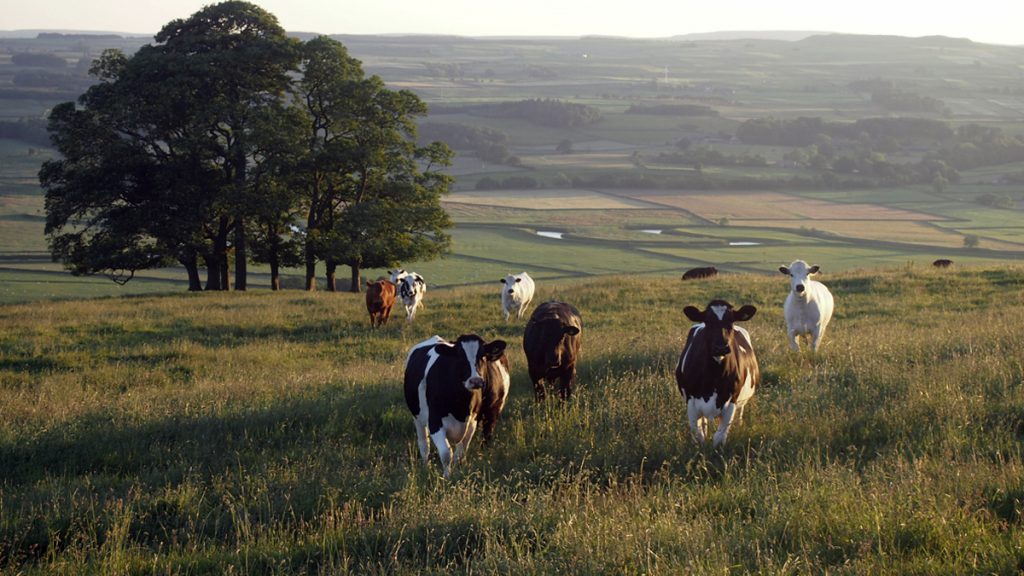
column 227, row 141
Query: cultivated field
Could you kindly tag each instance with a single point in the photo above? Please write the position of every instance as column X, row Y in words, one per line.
column 265, row 433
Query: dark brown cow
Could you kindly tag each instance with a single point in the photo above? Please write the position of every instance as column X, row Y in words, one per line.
column 552, row 345
column 717, row 372
column 942, row 263
column 380, row 297
column 698, row 273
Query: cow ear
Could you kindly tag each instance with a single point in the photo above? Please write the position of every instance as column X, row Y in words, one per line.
column 494, row 349
column 693, row 314
column 444, row 349
column 745, row 313
column 814, row 269
column 519, row 279
column 570, row 330
column 502, row 281
column 784, row 270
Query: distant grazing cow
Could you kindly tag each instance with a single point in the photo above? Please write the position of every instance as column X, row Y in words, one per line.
column 552, row 345
column 698, row 273
column 451, row 388
column 942, row 263
column 808, row 307
column 516, row 294
column 380, row 297
column 717, row 372
column 411, row 289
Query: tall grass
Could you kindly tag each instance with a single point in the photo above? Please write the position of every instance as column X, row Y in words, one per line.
column 265, row 434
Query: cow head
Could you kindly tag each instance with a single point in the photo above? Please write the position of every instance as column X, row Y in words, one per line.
column 799, row 272
column 397, row 275
column 553, row 336
column 510, row 282
column 718, row 319
column 472, row 354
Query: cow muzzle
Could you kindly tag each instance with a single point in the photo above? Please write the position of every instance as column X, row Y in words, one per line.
column 510, row 292
column 720, row 352
column 799, row 288
column 474, row 383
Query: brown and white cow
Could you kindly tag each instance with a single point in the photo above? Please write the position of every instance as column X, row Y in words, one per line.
column 451, row 388
column 551, row 341
column 717, row 372
column 380, row 297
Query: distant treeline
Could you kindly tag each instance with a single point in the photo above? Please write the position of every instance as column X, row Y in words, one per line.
column 805, row 131
column 545, row 112
column 710, row 157
column 692, row 180
column 38, row 60
column 672, row 110
column 486, row 143
column 886, row 94
column 968, row 146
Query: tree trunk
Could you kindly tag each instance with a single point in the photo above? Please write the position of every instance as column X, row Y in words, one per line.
column 332, row 268
column 275, row 273
column 310, row 268
column 191, row 265
column 357, row 283
column 225, row 272
column 241, row 265
column 213, row 269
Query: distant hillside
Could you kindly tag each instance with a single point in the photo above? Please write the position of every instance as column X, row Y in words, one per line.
column 787, row 35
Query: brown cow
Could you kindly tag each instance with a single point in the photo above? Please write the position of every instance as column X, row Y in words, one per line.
column 698, row 273
column 717, row 372
column 551, row 341
column 380, row 297
column 942, row 263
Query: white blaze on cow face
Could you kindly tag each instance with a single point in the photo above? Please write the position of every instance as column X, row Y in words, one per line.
column 471, row 348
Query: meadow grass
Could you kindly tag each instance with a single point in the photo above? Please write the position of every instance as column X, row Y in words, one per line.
column 265, row 433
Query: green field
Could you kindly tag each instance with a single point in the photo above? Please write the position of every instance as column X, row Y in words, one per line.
column 265, row 433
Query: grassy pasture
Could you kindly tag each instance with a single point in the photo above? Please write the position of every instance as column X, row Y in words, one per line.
column 265, row 433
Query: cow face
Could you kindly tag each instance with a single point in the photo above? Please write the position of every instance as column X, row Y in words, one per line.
column 718, row 319
column 799, row 273
column 510, row 282
column 553, row 334
column 471, row 354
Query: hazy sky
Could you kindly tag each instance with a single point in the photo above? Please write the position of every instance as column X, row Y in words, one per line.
column 994, row 21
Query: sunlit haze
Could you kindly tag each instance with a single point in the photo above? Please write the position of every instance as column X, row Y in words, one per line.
column 991, row 21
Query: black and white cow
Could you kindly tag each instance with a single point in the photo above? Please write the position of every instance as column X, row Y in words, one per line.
column 717, row 372
column 411, row 288
column 451, row 388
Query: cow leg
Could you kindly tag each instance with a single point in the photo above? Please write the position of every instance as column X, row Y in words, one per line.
column 421, row 439
column 463, row 446
column 819, row 333
column 505, row 311
column 723, row 428
column 793, row 344
column 444, row 450
column 538, row 387
column 565, row 382
column 696, row 422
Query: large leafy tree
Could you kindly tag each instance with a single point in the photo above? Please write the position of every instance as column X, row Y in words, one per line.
column 170, row 133
column 194, row 148
column 373, row 196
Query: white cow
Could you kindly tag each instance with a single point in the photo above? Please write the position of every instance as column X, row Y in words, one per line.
column 411, row 288
column 516, row 294
column 809, row 305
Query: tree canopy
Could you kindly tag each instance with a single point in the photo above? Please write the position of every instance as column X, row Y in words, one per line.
column 227, row 135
